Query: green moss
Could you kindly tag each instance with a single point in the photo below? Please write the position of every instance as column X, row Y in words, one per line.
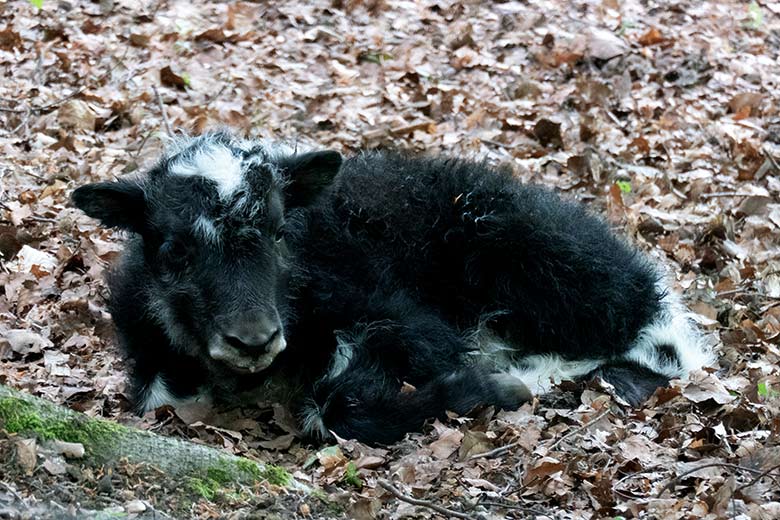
column 351, row 476
column 250, row 468
column 219, row 475
column 276, row 475
column 205, row 488
column 223, row 478
column 20, row 416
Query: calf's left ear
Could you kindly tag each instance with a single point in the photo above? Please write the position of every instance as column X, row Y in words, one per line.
column 116, row 204
column 309, row 174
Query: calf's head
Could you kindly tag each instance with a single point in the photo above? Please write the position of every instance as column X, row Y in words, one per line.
column 211, row 222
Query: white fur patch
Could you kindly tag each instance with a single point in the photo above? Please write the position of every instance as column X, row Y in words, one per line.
column 208, row 157
column 156, row 395
column 214, row 162
column 341, row 357
column 538, row 372
column 674, row 328
column 166, row 317
column 206, row 229
column 312, row 422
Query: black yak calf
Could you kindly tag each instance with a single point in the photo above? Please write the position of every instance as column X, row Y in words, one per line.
column 385, row 290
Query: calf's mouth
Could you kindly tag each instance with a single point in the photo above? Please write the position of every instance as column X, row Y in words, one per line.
column 242, row 361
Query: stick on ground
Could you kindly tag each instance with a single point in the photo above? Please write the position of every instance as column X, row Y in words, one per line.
column 449, row 513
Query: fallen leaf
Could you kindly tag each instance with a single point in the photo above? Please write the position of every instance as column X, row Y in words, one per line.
column 24, row 341
column 26, row 455
column 71, row 450
column 605, row 45
column 447, row 443
column 172, row 79
column 548, row 133
column 704, row 386
column 652, row 37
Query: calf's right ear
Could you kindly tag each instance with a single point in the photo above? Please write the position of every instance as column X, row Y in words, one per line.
column 310, row 173
column 116, row 204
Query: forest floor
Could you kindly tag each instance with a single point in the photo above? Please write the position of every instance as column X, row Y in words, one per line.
column 664, row 117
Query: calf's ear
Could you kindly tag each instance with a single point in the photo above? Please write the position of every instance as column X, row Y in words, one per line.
column 309, row 174
column 116, row 204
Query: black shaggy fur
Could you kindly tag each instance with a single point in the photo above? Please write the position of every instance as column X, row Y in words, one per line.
column 377, row 272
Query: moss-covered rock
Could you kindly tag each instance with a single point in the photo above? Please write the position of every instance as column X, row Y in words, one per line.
column 21, row 416
column 207, row 470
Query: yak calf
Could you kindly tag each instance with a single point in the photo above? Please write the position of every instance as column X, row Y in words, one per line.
column 385, row 289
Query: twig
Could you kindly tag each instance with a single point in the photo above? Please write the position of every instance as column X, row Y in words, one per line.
column 582, row 428
column 497, row 144
column 678, row 478
column 210, row 99
column 45, row 220
column 421, row 503
column 12, row 491
column 24, row 120
column 494, row 452
column 509, row 505
column 725, row 194
column 167, row 123
column 771, row 159
column 759, row 477
column 502, row 449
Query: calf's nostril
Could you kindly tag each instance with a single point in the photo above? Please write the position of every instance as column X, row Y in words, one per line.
column 271, row 339
column 236, row 342
column 252, row 342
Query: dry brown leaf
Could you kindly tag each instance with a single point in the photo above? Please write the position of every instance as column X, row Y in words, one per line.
column 704, row 386
column 26, row 455
column 653, row 36
column 448, row 443
column 171, row 79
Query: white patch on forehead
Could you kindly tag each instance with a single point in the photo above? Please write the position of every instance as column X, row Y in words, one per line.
column 215, row 162
column 217, row 157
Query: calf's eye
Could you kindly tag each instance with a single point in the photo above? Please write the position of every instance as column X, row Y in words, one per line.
column 280, row 233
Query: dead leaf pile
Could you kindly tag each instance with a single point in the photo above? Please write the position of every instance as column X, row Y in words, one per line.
column 663, row 118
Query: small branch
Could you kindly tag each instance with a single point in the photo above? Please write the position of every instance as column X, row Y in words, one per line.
column 494, row 452
column 421, row 503
column 725, row 194
column 509, row 505
column 582, row 428
column 759, row 477
column 497, row 144
column 670, row 485
column 167, row 123
column 12, row 491
column 771, row 159
column 503, row 449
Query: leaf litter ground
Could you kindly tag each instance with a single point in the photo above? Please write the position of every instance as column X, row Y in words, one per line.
column 662, row 117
